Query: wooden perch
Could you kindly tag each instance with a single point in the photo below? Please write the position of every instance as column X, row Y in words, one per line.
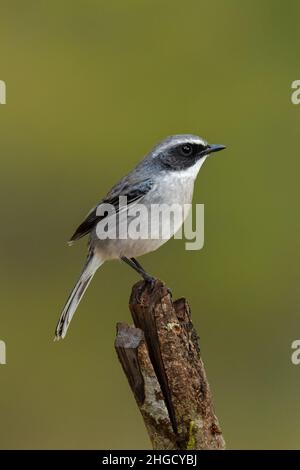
column 160, row 356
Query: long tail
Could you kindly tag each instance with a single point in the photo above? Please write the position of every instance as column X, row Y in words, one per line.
column 93, row 262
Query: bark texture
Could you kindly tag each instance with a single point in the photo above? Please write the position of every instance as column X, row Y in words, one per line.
column 161, row 359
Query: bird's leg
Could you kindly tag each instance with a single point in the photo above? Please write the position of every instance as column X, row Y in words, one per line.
column 141, row 267
column 137, row 267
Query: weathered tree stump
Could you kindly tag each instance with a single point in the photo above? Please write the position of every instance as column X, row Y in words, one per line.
column 160, row 356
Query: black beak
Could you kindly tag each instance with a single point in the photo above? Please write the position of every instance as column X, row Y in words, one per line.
column 214, row 148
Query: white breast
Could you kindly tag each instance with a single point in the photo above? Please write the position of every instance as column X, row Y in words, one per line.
column 178, row 186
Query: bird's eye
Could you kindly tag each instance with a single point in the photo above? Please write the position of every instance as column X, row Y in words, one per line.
column 186, row 150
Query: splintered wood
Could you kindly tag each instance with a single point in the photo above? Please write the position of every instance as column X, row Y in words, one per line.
column 160, row 356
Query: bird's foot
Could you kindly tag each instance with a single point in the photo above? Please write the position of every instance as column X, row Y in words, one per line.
column 170, row 292
column 150, row 280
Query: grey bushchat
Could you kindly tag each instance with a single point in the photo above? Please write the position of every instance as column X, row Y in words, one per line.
column 165, row 176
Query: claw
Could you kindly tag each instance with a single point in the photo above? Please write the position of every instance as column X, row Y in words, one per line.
column 150, row 280
column 170, row 292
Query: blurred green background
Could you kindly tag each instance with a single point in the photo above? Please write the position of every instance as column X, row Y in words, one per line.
column 91, row 87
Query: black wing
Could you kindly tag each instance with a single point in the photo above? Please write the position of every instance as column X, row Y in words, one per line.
column 133, row 192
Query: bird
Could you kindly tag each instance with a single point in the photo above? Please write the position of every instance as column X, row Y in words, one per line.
column 166, row 175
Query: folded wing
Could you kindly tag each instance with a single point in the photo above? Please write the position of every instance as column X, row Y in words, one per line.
column 134, row 193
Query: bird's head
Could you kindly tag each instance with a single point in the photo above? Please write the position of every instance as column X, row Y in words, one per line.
column 180, row 152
